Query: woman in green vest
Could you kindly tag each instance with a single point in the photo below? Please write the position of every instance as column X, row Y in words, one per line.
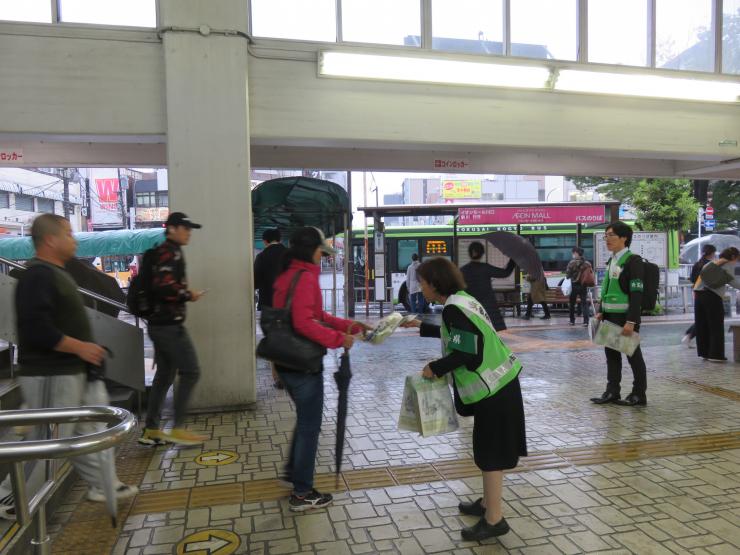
column 486, row 386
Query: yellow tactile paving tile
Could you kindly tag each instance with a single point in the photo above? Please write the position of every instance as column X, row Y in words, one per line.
column 454, row 470
column 222, row 494
column 161, row 501
column 367, row 479
column 416, row 474
column 714, row 390
column 331, row 483
column 264, row 490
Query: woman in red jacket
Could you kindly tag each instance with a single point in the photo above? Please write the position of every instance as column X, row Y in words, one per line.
column 307, row 246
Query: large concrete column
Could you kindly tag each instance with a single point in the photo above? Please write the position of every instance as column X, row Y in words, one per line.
column 208, row 161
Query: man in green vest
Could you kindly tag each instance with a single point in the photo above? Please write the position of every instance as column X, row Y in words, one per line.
column 621, row 300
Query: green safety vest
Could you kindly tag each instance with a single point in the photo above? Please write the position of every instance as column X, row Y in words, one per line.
column 613, row 299
column 499, row 365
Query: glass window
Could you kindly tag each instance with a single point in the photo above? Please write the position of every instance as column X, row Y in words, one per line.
column 474, row 26
column 684, row 35
column 31, row 11
column 406, row 247
column 731, row 36
column 295, row 19
column 133, row 13
column 163, row 199
column 24, row 202
column 382, row 21
column 4, row 199
column 618, row 32
column 544, row 29
column 145, row 199
column 45, row 205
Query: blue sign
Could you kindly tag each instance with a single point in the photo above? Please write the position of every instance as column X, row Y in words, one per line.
column 709, row 225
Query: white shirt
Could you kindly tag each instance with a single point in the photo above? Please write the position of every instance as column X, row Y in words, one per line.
column 614, row 268
column 412, row 280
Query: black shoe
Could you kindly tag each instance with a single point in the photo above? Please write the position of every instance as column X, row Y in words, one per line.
column 313, row 500
column 474, row 509
column 572, row 323
column 606, row 397
column 632, row 400
column 481, row 530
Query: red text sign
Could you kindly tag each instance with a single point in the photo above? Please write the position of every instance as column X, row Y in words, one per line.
column 533, row 215
column 107, row 193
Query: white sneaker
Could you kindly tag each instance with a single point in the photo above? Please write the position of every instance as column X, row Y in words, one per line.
column 686, row 339
column 123, row 491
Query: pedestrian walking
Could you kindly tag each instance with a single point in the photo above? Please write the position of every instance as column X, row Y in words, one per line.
column 709, row 310
column 267, row 267
column 416, row 299
column 59, row 363
column 576, row 271
column 621, row 304
column 174, row 352
column 708, row 253
column 478, row 275
column 537, row 295
column 300, row 282
column 486, row 386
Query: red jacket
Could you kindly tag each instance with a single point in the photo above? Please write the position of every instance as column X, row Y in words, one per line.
column 307, row 308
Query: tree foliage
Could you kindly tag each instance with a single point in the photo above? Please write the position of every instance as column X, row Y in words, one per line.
column 726, row 203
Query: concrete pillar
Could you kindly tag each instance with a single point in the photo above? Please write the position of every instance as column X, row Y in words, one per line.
column 208, row 161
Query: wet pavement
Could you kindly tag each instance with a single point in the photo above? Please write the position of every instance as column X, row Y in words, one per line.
column 659, row 479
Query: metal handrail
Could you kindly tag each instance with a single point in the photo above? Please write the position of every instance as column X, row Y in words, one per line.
column 85, row 292
column 17, row 452
column 65, row 447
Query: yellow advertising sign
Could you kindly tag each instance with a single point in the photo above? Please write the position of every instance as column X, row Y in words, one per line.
column 459, row 188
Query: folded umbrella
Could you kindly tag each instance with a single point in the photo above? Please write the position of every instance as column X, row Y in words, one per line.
column 342, row 377
column 520, row 250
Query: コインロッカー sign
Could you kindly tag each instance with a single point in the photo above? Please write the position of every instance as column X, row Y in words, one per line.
column 533, row 215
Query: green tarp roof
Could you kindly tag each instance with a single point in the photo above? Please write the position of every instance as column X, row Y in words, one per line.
column 288, row 203
column 91, row 244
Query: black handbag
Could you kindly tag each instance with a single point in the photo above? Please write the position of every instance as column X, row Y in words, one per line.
column 282, row 345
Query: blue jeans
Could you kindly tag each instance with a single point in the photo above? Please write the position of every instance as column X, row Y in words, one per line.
column 416, row 300
column 307, row 392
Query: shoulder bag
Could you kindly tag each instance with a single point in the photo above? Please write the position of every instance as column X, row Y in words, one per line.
column 282, row 345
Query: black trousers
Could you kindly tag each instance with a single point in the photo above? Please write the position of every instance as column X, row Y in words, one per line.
column 582, row 292
column 709, row 319
column 530, row 305
column 614, row 363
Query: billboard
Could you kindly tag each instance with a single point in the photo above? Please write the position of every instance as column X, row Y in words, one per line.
column 105, row 198
column 461, row 188
column 145, row 215
column 588, row 214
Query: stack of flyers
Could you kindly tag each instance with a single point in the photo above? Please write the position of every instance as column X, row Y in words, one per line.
column 610, row 335
column 386, row 326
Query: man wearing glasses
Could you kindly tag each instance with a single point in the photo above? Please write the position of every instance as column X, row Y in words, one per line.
column 621, row 300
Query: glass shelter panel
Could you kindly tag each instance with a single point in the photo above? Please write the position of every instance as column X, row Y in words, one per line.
column 471, row 26
column 544, row 29
column 406, row 247
column 684, row 38
column 382, row 21
column 29, row 11
column 618, row 32
column 131, row 13
column 731, row 36
column 295, row 19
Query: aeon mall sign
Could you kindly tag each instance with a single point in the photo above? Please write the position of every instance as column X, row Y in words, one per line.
column 589, row 214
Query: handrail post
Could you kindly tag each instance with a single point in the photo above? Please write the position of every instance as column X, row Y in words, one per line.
column 42, row 541
column 20, row 495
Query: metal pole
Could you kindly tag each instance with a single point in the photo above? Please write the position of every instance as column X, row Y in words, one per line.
column 18, row 481
column 65, row 197
column 42, row 541
column 367, row 250
column 334, row 274
column 349, row 299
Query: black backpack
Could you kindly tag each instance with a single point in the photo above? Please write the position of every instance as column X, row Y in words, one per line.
column 650, row 284
column 139, row 298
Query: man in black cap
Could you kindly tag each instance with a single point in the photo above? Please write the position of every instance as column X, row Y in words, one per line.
column 173, row 350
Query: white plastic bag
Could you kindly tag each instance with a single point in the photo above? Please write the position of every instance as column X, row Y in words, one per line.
column 427, row 407
column 566, row 287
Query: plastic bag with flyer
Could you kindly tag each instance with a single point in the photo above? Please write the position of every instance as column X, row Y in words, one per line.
column 427, row 407
column 566, row 287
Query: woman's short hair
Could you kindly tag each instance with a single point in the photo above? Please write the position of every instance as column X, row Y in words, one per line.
column 476, row 250
column 443, row 275
column 578, row 250
column 730, row 253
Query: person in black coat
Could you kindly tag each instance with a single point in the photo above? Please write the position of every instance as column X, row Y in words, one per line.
column 267, row 267
column 478, row 275
column 708, row 253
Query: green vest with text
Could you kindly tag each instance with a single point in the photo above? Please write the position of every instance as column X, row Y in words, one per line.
column 499, row 365
column 613, row 299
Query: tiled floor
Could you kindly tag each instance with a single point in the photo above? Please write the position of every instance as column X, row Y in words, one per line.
column 660, row 479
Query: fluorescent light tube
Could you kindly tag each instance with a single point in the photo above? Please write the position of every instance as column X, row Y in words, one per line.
column 655, row 86
column 431, row 70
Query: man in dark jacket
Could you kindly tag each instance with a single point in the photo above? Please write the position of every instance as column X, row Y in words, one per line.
column 174, row 352
column 621, row 304
column 57, row 355
column 708, row 252
column 267, row 266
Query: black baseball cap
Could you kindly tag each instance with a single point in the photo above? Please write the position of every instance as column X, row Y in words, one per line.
column 180, row 218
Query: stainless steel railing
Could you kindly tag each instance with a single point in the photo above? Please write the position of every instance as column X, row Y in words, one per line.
column 15, row 453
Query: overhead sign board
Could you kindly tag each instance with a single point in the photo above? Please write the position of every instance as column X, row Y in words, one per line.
column 468, row 188
column 652, row 246
column 11, row 156
column 544, row 214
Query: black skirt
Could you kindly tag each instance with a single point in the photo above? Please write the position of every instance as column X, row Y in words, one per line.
column 499, row 438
